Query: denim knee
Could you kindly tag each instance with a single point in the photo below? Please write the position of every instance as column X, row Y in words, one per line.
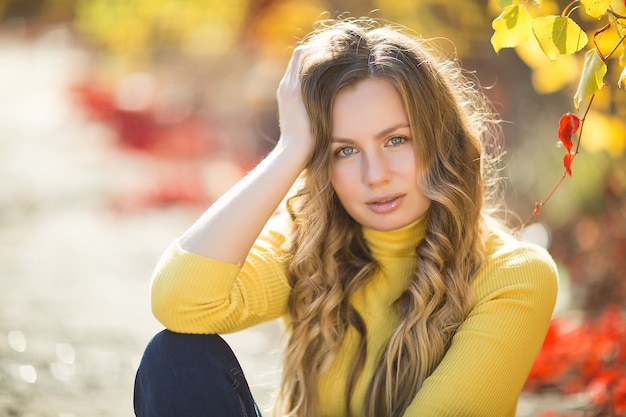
column 191, row 375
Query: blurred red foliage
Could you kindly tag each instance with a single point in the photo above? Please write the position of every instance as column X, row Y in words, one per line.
column 183, row 141
column 585, row 356
column 141, row 129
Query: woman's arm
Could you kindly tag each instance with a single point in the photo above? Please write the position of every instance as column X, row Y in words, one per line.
column 493, row 350
column 227, row 230
column 194, row 294
column 215, row 278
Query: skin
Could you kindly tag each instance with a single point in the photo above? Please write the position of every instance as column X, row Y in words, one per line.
column 373, row 162
column 376, row 173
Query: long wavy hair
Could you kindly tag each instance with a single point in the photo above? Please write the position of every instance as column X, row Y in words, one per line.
column 329, row 259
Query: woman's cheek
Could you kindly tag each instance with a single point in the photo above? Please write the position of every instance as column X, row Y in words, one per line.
column 343, row 178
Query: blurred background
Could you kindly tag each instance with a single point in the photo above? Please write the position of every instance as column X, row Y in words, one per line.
column 122, row 120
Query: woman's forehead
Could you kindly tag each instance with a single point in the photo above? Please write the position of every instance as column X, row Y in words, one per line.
column 368, row 108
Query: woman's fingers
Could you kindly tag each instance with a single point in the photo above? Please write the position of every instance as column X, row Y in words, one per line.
column 294, row 121
column 291, row 80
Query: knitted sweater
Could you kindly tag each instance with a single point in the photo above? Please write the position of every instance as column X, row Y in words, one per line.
column 481, row 374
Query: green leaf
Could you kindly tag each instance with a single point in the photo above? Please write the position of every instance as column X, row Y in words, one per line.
column 558, row 35
column 596, row 8
column 513, row 27
column 591, row 79
column 504, row 3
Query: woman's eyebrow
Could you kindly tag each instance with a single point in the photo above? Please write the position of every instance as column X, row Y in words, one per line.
column 382, row 133
column 391, row 129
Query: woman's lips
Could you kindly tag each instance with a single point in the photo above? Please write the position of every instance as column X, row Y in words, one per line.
column 385, row 204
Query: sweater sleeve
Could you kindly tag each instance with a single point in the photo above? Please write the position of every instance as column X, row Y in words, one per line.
column 484, row 370
column 194, row 294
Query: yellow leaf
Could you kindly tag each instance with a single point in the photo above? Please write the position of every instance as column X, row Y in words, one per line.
column 596, row 8
column 618, row 6
column 558, row 35
column 591, row 79
column 511, row 28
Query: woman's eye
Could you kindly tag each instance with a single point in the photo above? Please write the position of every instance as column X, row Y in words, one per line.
column 346, row 151
column 396, row 140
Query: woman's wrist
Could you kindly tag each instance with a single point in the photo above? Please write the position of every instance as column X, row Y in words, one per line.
column 298, row 149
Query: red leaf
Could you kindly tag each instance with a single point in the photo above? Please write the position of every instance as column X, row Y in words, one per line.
column 567, row 163
column 568, row 125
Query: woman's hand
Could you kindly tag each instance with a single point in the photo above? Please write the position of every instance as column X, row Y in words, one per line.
column 295, row 125
column 227, row 230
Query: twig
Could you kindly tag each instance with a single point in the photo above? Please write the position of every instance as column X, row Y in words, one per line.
column 570, row 8
column 621, row 40
column 539, row 204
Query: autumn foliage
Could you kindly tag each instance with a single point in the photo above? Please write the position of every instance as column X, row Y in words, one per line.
column 568, row 125
column 585, row 357
column 559, row 36
column 581, row 357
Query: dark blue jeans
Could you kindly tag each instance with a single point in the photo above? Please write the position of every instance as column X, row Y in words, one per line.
column 187, row 375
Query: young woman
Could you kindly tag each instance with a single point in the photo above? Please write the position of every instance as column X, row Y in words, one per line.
column 400, row 295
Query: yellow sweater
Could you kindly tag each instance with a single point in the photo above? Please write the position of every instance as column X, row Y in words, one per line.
column 490, row 355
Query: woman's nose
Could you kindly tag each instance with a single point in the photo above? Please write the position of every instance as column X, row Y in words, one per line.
column 376, row 169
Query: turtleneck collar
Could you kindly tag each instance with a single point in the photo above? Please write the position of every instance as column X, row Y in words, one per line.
column 395, row 243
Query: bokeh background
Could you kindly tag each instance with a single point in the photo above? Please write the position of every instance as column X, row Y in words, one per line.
column 122, row 120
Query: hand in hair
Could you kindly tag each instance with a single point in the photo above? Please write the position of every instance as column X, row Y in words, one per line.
column 295, row 126
column 227, row 230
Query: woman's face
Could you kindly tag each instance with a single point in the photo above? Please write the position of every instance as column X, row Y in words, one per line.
column 373, row 162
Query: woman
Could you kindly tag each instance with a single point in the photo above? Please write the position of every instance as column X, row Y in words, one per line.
column 401, row 297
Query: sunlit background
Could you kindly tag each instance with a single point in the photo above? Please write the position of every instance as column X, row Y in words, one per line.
column 121, row 120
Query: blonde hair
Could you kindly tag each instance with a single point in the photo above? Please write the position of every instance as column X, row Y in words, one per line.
column 329, row 259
